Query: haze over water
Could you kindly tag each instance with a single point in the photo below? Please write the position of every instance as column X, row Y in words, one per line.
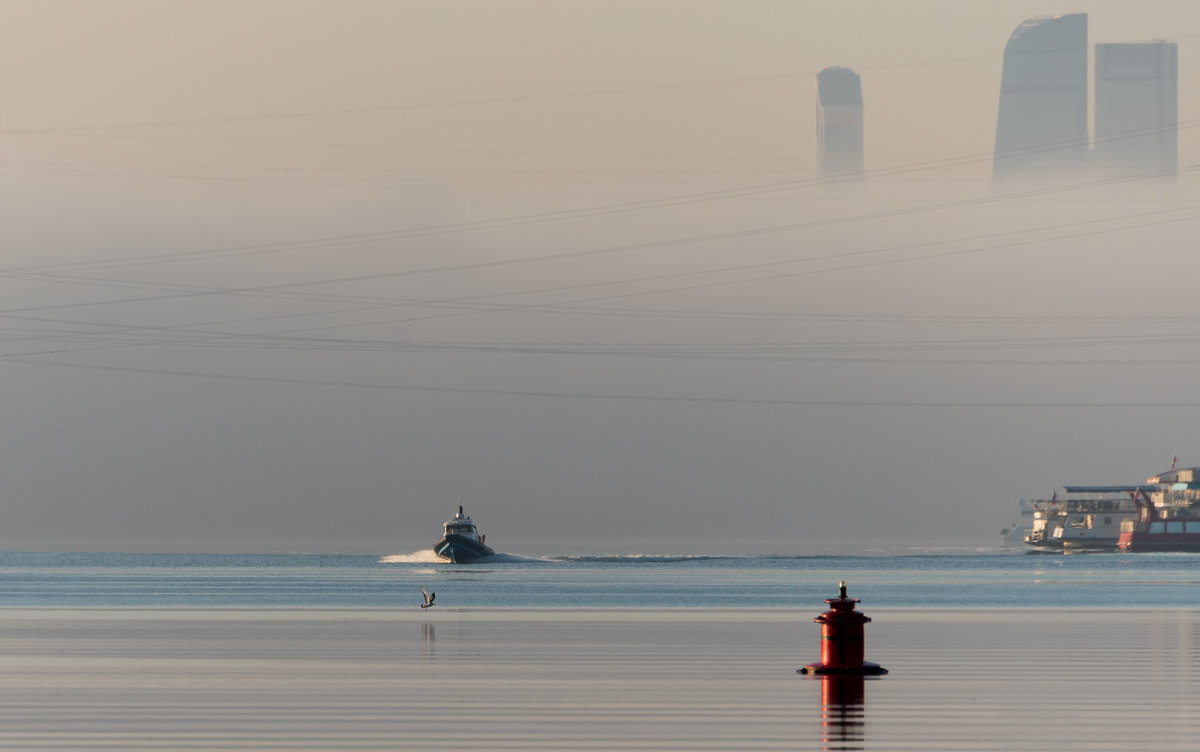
column 302, row 277
column 286, row 282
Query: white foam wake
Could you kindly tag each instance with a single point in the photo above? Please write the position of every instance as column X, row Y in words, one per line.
column 427, row 556
column 421, row 556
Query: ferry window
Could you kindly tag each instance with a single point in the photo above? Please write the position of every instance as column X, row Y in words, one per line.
column 1174, row 527
column 1192, row 527
column 1108, row 520
column 1157, row 527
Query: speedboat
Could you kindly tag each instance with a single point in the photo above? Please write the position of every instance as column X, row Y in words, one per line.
column 461, row 541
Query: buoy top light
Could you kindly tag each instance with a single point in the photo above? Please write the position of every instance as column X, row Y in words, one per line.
column 842, row 608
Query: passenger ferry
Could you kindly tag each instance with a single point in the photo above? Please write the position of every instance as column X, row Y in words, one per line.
column 1085, row 517
column 461, row 541
column 1168, row 517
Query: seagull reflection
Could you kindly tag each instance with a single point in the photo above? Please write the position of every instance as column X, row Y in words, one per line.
column 427, row 640
column 843, row 712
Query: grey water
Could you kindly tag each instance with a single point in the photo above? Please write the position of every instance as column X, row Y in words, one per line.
column 968, row 580
column 986, row 650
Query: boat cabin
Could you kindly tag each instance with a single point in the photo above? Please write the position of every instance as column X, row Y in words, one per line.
column 1088, row 516
column 462, row 524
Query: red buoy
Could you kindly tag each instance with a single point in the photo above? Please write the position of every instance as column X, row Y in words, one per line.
column 842, row 639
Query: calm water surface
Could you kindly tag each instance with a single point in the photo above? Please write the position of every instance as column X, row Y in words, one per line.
column 990, row 651
column 1107, row 580
column 647, row 679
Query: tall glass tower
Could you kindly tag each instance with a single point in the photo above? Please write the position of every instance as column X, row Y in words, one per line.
column 839, row 121
column 1043, row 121
column 1137, row 95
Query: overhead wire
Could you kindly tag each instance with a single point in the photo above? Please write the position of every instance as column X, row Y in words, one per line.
column 287, row 338
column 387, row 303
column 628, row 397
column 47, row 271
column 563, row 255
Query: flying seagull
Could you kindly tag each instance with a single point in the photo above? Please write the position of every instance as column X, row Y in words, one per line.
column 428, row 598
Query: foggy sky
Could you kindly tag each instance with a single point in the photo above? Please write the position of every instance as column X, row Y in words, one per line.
column 304, row 275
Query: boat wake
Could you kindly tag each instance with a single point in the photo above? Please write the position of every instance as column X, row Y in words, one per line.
column 427, row 556
column 638, row 558
column 499, row 558
column 423, row 556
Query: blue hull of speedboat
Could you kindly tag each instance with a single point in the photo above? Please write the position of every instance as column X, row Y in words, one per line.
column 460, row 549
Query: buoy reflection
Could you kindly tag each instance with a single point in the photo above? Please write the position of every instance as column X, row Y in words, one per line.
column 843, row 711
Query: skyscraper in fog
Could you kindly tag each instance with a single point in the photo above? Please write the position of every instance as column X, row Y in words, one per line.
column 1043, row 120
column 839, row 121
column 1137, row 107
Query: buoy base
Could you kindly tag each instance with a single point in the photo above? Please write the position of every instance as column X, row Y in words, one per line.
column 867, row 669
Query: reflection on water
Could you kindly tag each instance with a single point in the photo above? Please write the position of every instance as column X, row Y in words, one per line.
column 985, row 680
column 427, row 639
column 843, row 712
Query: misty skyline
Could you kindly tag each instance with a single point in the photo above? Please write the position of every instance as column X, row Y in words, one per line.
column 303, row 276
column 1043, row 120
column 839, row 121
column 1137, row 105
